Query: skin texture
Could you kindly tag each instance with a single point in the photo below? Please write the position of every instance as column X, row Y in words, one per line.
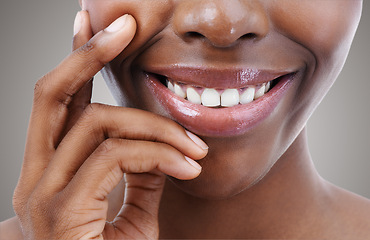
column 266, row 35
column 259, row 185
column 68, row 174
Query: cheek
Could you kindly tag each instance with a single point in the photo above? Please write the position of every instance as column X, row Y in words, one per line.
column 326, row 27
column 326, row 30
column 151, row 17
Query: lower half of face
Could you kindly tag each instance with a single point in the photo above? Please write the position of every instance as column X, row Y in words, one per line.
column 243, row 75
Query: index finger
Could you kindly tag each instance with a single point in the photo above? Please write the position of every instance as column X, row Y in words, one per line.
column 81, row 65
column 55, row 91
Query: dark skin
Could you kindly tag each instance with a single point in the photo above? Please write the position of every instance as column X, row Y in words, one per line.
column 259, row 183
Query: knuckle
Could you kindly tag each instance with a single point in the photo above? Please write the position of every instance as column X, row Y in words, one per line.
column 18, row 204
column 140, row 160
column 92, row 110
column 92, row 119
column 40, row 88
column 91, row 53
column 44, row 91
column 107, row 147
column 87, row 49
column 91, row 114
column 20, row 199
column 94, row 115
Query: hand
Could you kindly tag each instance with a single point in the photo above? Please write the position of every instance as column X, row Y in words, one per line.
column 77, row 152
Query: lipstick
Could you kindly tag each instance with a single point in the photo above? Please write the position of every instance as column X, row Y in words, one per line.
column 220, row 121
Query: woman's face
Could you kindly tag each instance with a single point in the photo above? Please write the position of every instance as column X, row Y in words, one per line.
column 231, row 48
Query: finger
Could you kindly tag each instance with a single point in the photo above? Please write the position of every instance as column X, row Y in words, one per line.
column 101, row 122
column 75, row 109
column 139, row 213
column 82, row 34
column 39, row 146
column 103, row 170
column 54, row 92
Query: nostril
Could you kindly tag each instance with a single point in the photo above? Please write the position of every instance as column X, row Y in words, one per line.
column 194, row 35
column 249, row 36
column 221, row 22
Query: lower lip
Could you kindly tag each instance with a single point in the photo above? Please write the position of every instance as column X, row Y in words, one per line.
column 219, row 122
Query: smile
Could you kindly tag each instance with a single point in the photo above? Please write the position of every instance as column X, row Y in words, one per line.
column 212, row 102
column 211, row 97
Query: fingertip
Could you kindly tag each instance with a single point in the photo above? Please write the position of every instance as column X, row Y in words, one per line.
column 131, row 21
column 125, row 24
column 202, row 146
column 116, row 37
column 81, row 22
column 193, row 164
column 77, row 23
column 118, row 24
column 182, row 168
column 81, row 29
column 197, row 140
column 132, row 25
column 191, row 171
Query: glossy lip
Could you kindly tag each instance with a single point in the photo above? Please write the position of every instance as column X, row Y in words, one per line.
column 218, row 122
column 216, row 77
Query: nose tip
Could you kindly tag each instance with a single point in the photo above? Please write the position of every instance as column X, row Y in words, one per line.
column 221, row 22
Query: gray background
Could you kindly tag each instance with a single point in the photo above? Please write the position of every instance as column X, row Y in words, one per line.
column 35, row 36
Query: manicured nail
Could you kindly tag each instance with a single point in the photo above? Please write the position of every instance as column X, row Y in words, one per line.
column 78, row 23
column 83, row 5
column 193, row 163
column 118, row 24
column 197, row 140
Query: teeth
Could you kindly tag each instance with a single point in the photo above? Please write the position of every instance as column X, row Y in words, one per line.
column 230, row 97
column 179, row 92
column 170, row 86
column 260, row 92
column 210, row 98
column 193, row 96
column 247, row 96
column 267, row 88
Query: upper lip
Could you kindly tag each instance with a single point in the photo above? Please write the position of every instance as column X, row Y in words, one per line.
column 212, row 77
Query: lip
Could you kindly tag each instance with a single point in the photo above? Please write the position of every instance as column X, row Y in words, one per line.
column 218, row 122
column 216, row 77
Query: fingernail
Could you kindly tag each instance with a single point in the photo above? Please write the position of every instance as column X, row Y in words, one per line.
column 197, row 140
column 78, row 23
column 193, row 163
column 83, row 5
column 117, row 24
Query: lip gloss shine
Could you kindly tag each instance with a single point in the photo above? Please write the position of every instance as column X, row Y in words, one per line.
column 217, row 122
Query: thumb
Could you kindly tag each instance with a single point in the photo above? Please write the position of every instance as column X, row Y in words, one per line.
column 138, row 217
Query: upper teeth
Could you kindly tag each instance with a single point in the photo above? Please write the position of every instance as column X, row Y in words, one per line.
column 211, row 97
column 230, row 97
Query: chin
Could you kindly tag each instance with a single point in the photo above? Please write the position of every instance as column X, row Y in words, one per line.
column 213, row 184
column 204, row 188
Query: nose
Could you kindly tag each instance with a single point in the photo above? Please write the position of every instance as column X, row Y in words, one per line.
column 221, row 22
